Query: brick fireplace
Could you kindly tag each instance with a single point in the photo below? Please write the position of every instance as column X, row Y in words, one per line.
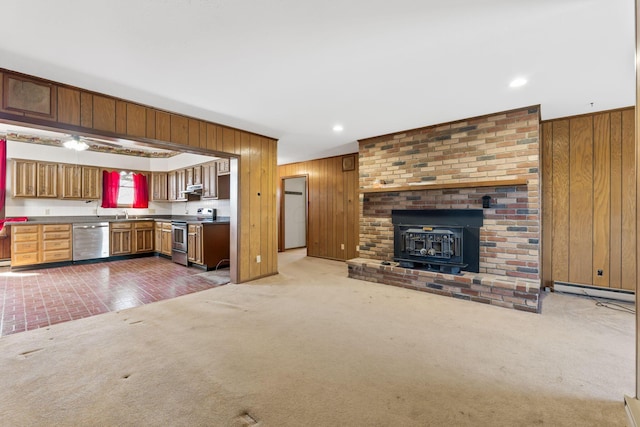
column 453, row 166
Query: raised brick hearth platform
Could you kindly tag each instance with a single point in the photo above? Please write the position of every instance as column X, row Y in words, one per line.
column 510, row 292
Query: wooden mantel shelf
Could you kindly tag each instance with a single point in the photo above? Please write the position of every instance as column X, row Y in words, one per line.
column 448, row 185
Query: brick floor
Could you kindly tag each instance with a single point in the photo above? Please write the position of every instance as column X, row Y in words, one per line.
column 39, row 298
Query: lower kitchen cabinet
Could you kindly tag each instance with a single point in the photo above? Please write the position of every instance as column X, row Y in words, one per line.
column 56, row 243
column 39, row 244
column 214, row 244
column 194, row 243
column 143, row 236
column 120, row 238
column 163, row 237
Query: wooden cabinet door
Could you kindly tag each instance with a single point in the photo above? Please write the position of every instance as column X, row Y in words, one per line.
column 91, row 183
column 24, row 176
column 181, row 185
column 191, row 243
column 47, row 180
column 70, row 181
column 159, row 186
column 196, row 173
column 121, row 243
column 209, row 181
column 197, row 256
column 157, row 244
column 166, row 238
column 144, row 241
column 223, row 166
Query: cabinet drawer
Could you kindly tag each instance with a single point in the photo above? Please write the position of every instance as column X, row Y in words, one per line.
column 166, row 226
column 143, row 225
column 56, row 227
column 24, row 259
column 192, row 228
column 25, row 237
column 25, row 247
column 121, row 225
column 52, row 256
column 49, row 245
column 60, row 235
column 23, row 229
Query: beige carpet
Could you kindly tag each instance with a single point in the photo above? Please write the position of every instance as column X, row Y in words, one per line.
column 310, row 347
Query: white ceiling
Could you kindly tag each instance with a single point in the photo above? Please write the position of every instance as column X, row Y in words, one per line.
column 292, row 69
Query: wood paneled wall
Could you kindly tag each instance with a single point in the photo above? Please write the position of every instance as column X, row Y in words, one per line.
column 333, row 205
column 589, row 200
column 37, row 102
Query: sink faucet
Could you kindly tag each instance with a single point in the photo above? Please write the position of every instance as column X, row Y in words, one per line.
column 126, row 214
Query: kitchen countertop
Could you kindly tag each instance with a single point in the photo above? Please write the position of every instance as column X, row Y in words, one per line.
column 110, row 218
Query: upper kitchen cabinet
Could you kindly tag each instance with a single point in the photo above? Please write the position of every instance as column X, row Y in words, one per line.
column 177, row 185
column 209, row 181
column 159, row 186
column 193, row 175
column 79, row 182
column 34, row 179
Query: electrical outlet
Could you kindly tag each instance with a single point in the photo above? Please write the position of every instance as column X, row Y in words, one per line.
column 258, row 259
column 47, row 212
column 600, row 272
column 95, row 211
column 342, row 246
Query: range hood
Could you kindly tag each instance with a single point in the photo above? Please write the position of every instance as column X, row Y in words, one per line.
column 193, row 189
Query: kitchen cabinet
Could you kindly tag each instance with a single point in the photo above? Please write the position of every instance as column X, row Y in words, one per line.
column 91, row 183
column 34, row 179
column 163, row 237
column 23, row 182
column 193, row 175
column 210, row 180
column 47, row 180
column 223, row 166
column 143, row 231
column 56, row 243
column 194, row 243
column 79, row 182
column 39, row 244
column 214, row 241
column 25, row 245
column 177, row 185
column 157, row 237
column 159, row 186
column 120, row 238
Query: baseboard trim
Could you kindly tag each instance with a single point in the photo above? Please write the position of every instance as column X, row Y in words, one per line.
column 594, row 291
column 632, row 408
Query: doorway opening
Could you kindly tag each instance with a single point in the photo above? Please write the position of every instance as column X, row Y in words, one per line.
column 293, row 209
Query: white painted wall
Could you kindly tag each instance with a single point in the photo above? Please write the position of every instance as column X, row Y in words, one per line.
column 295, row 213
column 59, row 207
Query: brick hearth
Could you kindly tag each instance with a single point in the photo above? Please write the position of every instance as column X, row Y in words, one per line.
column 509, row 292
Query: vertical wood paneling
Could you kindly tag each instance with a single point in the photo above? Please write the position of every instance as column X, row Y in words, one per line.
column 194, row 133
column 163, row 126
column 615, row 247
column 228, row 140
column 104, row 113
column 601, row 198
column 589, row 199
column 136, row 120
column 179, row 129
column 151, row 123
column 546, row 158
column 69, row 106
column 581, row 200
column 121, row 117
column 628, row 201
column 255, row 205
column 212, row 137
column 86, row 110
column 560, row 181
column 333, row 206
column 245, row 214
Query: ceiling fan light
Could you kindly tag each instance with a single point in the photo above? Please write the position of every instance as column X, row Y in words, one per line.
column 75, row 144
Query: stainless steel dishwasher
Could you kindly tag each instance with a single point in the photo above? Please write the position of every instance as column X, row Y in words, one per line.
column 90, row 240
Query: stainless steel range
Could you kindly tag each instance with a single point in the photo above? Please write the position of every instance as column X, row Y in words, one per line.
column 179, row 242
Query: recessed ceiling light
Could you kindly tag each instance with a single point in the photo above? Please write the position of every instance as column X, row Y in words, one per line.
column 520, row 81
column 338, row 128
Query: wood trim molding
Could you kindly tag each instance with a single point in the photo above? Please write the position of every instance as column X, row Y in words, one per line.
column 448, row 185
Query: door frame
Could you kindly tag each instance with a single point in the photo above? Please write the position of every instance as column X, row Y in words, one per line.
column 281, row 216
